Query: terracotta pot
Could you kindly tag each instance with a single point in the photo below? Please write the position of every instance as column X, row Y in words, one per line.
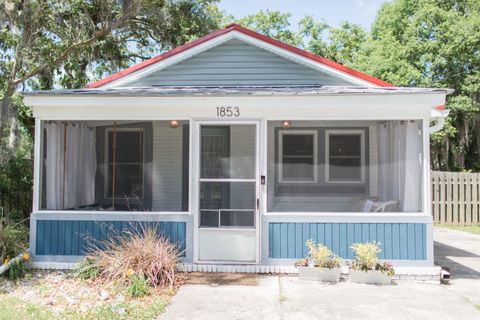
column 370, row 277
column 319, row 274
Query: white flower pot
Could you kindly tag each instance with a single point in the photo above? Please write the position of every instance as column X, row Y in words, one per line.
column 370, row 277
column 319, row 274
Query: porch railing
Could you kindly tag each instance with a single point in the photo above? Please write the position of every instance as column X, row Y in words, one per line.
column 456, row 197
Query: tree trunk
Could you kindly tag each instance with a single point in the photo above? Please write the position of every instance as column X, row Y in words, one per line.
column 14, row 136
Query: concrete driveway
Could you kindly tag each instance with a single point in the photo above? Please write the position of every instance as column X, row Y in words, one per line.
column 285, row 297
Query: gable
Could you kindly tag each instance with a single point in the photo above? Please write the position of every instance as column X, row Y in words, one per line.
column 237, row 56
column 237, row 63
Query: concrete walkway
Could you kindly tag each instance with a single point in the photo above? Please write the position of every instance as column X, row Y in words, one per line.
column 282, row 297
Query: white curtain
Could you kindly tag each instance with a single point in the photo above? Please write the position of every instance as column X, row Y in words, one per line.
column 399, row 160
column 70, row 168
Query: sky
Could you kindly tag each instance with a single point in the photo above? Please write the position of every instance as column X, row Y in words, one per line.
column 361, row 12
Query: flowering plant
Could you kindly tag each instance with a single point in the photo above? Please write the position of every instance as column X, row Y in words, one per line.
column 366, row 258
column 321, row 256
column 301, row 263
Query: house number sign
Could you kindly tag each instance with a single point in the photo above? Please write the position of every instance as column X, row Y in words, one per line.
column 228, row 112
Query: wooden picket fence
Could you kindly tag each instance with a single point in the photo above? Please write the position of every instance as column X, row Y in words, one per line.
column 456, row 197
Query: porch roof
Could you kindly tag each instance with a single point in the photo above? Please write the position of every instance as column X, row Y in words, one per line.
column 241, row 91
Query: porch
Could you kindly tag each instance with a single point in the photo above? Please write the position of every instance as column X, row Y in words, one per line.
column 247, row 190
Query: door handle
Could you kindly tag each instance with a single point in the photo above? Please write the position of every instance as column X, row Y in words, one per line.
column 258, row 203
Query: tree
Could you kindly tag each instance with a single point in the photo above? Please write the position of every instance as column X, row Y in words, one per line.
column 433, row 43
column 47, row 43
column 273, row 24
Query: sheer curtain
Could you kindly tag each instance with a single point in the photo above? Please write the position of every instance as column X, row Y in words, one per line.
column 399, row 160
column 71, row 166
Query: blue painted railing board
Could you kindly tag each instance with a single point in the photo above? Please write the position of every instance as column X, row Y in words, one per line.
column 74, row 237
column 398, row 241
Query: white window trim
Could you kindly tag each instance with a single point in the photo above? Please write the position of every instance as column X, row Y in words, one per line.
column 338, row 132
column 106, row 179
column 281, row 133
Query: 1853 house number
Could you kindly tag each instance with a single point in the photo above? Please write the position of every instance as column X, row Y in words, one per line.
column 228, row 112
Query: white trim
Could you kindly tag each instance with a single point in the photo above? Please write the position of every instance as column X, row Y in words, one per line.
column 419, row 273
column 339, row 132
column 195, row 177
column 214, row 42
column 332, row 107
column 110, row 215
column 37, row 165
column 280, row 156
column 348, row 217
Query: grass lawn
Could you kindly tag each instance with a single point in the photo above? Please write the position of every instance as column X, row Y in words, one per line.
column 472, row 229
column 55, row 295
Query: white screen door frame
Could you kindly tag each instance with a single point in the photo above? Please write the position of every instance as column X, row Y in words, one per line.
column 196, row 179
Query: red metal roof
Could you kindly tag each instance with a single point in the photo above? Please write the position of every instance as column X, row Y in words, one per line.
column 256, row 35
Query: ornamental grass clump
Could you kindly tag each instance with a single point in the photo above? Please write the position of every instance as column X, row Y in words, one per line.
column 131, row 256
column 321, row 256
column 366, row 258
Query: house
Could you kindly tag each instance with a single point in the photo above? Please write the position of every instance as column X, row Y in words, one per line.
column 239, row 148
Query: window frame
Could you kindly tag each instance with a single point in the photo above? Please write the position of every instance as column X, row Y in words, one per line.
column 339, row 132
column 281, row 133
column 107, row 171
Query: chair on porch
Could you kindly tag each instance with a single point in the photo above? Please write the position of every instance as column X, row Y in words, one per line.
column 387, row 206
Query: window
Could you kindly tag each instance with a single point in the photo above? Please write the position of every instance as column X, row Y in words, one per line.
column 125, row 162
column 298, row 156
column 345, row 159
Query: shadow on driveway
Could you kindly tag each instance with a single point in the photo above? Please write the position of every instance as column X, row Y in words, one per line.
column 443, row 258
column 459, row 252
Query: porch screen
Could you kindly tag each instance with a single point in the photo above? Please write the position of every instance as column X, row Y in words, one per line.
column 115, row 166
column 345, row 166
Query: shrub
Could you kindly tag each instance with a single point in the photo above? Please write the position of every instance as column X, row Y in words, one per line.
column 366, row 258
column 321, row 256
column 143, row 253
column 138, row 286
column 13, row 239
column 17, row 270
column 86, row 269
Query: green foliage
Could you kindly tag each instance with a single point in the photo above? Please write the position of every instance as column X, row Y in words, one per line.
column 17, row 270
column 86, row 269
column 475, row 228
column 13, row 239
column 15, row 308
column 433, row 43
column 66, row 44
column 138, row 286
column 126, row 311
column 422, row 43
column 16, row 183
column 273, row 24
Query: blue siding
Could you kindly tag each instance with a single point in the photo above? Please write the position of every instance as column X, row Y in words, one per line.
column 71, row 237
column 399, row 241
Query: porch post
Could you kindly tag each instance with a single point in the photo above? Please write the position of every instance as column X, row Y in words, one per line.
column 427, row 194
column 37, row 165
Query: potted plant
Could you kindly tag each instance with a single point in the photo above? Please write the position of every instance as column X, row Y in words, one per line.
column 366, row 268
column 321, row 264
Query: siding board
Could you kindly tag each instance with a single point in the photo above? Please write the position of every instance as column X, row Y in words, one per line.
column 399, row 241
column 237, row 63
column 72, row 237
